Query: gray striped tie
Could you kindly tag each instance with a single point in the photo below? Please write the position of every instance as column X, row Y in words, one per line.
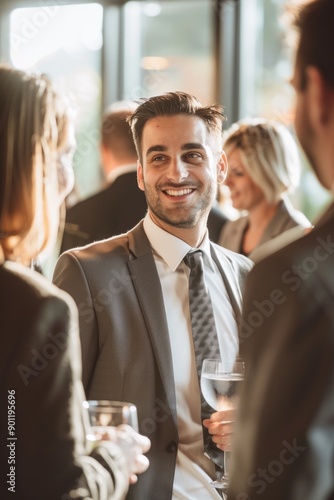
column 204, row 335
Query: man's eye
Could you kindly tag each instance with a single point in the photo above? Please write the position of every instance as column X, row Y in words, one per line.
column 192, row 156
column 158, row 158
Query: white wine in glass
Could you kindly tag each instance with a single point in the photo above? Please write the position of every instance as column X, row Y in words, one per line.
column 220, row 385
column 104, row 414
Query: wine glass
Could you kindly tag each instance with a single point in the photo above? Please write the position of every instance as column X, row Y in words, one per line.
column 104, row 414
column 220, row 385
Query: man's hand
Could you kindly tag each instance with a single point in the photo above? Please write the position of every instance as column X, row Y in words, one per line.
column 133, row 446
column 220, row 426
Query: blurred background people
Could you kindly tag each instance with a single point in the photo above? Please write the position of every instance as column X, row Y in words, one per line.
column 44, row 451
column 263, row 167
column 119, row 206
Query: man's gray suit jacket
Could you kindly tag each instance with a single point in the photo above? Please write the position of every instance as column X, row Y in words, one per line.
column 125, row 342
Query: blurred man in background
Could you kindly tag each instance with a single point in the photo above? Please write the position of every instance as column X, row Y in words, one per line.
column 119, row 206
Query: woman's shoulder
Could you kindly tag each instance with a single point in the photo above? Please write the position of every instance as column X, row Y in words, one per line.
column 20, row 284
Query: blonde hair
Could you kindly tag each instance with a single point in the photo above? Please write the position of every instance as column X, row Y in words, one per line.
column 269, row 154
column 33, row 125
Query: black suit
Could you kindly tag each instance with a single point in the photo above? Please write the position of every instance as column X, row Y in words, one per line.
column 284, row 442
column 114, row 211
column 216, row 221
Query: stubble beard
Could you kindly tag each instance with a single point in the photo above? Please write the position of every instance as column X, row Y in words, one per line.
column 180, row 216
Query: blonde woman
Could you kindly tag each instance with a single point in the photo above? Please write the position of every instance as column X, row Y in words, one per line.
column 44, row 453
column 263, row 167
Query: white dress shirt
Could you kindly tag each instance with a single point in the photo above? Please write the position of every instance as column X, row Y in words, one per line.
column 194, row 471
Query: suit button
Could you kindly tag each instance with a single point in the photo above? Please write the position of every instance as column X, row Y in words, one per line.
column 171, row 447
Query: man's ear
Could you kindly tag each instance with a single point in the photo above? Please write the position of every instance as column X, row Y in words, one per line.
column 320, row 96
column 103, row 154
column 222, row 168
column 140, row 176
column 107, row 159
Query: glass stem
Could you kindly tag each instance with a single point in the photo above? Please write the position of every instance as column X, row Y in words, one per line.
column 227, row 458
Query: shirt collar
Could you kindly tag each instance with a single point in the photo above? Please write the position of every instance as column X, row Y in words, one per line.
column 172, row 249
column 116, row 172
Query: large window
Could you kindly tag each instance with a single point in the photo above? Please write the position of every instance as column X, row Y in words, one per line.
column 121, row 50
column 266, row 61
column 65, row 42
column 169, row 45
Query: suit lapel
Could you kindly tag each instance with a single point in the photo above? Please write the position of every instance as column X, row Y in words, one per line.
column 147, row 285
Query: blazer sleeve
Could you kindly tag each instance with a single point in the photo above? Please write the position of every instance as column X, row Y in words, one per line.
column 283, row 447
column 54, row 459
column 69, row 276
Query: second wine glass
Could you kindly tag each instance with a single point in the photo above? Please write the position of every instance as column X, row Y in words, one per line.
column 104, row 414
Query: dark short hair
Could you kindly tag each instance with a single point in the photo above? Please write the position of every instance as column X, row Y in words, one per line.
column 314, row 22
column 174, row 103
column 116, row 133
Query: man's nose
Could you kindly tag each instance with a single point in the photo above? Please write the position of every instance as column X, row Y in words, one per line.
column 177, row 170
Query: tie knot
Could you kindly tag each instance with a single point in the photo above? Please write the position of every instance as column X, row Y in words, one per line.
column 194, row 261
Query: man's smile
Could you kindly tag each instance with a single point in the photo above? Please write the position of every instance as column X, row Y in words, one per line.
column 178, row 193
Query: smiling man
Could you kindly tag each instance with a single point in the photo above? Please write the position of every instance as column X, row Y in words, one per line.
column 133, row 299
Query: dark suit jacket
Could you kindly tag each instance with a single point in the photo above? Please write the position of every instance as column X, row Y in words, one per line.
column 114, row 211
column 216, row 221
column 41, row 397
column 284, row 445
column 125, row 340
